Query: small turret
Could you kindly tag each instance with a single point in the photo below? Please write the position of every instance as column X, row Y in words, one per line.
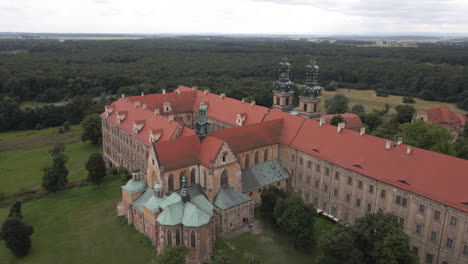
column 202, row 125
column 309, row 101
column 283, row 93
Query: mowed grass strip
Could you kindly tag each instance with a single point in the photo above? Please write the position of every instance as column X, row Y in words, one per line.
column 370, row 101
column 80, row 226
column 24, row 169
column 15, row 141
column 271, row 246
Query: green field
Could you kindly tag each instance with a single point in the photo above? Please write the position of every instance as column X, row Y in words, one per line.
column 80, row 226
column 370, row 101
column 270, row 245
column 23, row 155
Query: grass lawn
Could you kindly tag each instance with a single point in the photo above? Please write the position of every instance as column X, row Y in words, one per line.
column 271, row 246
column 370, row 101
column 23, row 169
column 80, row 226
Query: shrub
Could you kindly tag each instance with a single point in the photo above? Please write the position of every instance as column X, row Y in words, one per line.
column 408, row 100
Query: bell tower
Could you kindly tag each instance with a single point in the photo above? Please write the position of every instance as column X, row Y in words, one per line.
column 202, row 125
column 309, row 101
column 283, row 93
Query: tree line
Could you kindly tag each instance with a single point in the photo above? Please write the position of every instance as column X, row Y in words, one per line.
column 49, row 71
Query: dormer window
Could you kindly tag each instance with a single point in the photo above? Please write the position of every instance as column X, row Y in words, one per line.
column 121, row 116
column 240, row 118
column 109, row 109
column 154, row 135
column 138, row 126
column 167, row 107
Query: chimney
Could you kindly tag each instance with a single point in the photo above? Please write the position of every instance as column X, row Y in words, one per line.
column 206, row 91
column 252, row 103
column 243, row 100
column 164, row 91
column 363, row 131
column 123, row 96
column 408, row 150
column 388, row 144
column 340, row 127
column 136, row 104
column 126, row 99
column 178, row 91
column 194, row 88
column 222, row 96
column 142, row 94
column 144, row 106
column 135, row 172
column 400, row 141
column 322, row 121
column 156, row 111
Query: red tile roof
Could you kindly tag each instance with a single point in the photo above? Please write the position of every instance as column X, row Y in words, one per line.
column 137, row 114
column 187, row 151
column 442, row 114
column 462, row 118
column 291, row 124
column 178, row 153
column 180, row 103
column 352, row 120
column 250, row 137
column 436, row 176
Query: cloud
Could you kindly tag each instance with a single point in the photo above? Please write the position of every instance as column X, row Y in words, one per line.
column 239, row 16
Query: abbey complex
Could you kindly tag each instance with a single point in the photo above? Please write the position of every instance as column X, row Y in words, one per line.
column 200, row 161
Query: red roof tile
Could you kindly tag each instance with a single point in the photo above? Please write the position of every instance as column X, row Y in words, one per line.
column 442, row 114
column 138, row 114
column 178, row 153
column 180, row 103
column 436, row 176
column 250, row 137
column 209, row 149
column 352, row 120
column 291, row 124
column 462, row 118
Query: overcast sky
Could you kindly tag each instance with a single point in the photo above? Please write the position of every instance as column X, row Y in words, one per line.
column 235, row 16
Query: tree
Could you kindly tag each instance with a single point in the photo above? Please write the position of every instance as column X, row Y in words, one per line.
column 337, row 104
column 124, row 174
column 408, row 100
column 66, row 126
column 250, row 259
column 404, row 113
column 461, row 147
column 92, row 129
column 358, row 109
column 221, row 258
column 55, row 176
column 465, row 130
column 387, row 130
column 16, row 235
column 172, row 255
column 297, row 220
column 375, row 238
column 336, row 120
column 96, row 168
column 269, row 198
column 372, row 120
column 15, row 210
column 10, row 114
column 332, row 86
column 428, row 136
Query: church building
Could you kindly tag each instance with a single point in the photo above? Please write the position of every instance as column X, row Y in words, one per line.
column 200, row 161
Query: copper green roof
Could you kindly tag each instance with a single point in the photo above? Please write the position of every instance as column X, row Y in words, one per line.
column 158, row 186
column 194, row 216
column 228, row 197
column 263, row 174
column 139, row 202
column 153, row 204
column 134, row 186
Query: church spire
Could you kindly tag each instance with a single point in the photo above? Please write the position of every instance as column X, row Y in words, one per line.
column 185, row 193
column 309, row 101
column 283, row 92
column 202, row 125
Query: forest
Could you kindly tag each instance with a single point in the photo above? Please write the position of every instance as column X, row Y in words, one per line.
column 48, row 70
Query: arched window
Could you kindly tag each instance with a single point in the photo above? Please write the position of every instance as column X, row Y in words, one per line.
column 177, row 237
column 182, row 174
column 287, row 101
column 224, row 178
column 247, row 160
column 192, row 176
column 305, row 107
column 170, row 182
column 315, row 107
column 265, row 155
column 277, row 100
column 192, row 240
column 169, row 238
column 256, row 157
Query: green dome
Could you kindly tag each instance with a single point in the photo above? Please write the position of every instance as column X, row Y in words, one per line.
column 153, row 204
column 134, row 186
column 158, row 186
